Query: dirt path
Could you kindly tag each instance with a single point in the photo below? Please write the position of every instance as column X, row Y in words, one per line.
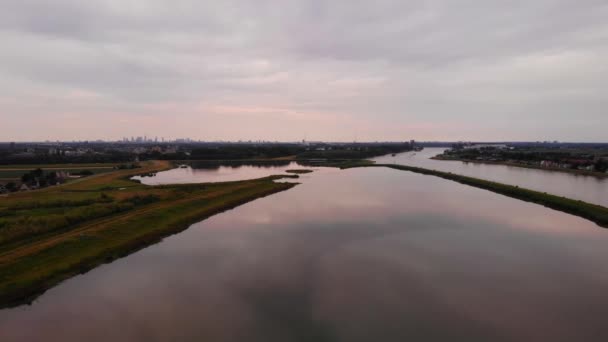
column 102, row 223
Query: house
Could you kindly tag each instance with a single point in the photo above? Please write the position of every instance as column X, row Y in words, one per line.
column 62, row 176
column 170, row 150
column 485, row 146
column 548, row 163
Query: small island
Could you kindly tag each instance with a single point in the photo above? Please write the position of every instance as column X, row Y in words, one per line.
column 299, row 171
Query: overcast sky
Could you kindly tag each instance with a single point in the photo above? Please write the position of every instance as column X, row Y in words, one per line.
column 319, row 70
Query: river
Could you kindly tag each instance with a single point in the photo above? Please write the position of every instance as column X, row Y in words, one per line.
column 582, row 187
column 370, row 254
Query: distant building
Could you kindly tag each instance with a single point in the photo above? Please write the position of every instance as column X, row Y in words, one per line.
column 480, row 146
column 171, row 150
column 62, row 176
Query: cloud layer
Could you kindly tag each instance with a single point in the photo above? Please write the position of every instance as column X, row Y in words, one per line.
column 287, row 70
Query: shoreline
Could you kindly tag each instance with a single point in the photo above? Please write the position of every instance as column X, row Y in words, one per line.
column 36, row 262
column 592, row 212
column 525, row 166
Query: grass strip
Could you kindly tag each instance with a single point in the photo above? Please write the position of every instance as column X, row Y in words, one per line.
column 595, row 213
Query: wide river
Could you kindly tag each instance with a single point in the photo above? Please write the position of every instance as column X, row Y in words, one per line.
column 583, row 187
column 369, row 254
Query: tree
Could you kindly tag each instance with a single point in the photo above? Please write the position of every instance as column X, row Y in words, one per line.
column 11, row 186
column 38, row 173
column 27, row 178
column 601, row 165
column 51, row 178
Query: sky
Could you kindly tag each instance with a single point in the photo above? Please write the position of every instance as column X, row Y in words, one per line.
column 287, row 70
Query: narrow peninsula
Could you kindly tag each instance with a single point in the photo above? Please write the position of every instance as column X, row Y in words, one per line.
column 52, row 234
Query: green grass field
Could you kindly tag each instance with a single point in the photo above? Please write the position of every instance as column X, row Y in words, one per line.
column 16, row 173
column 58, row 166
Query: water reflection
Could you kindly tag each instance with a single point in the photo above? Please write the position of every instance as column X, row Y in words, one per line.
column 587, row 188
column 354, row 255
column 212, row 172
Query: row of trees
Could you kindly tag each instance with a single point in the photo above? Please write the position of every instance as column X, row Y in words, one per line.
column 601, row 165
column 111, row 156
column 220, row 151
column 40, row 178
column 574, row 159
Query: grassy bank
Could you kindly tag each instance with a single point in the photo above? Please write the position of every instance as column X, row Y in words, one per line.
column 339, row 163
column 592, row 212
column 49, row 235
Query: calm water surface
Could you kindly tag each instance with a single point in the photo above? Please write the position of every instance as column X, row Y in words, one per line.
column 353, row 255
column 586, row 188
column 216, row 174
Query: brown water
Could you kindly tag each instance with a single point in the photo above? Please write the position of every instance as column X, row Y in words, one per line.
column 586, row 188
column 353, row 255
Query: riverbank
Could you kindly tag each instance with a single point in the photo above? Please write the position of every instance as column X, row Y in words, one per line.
column 595, row 213
column 52, row 234
column 525, row 166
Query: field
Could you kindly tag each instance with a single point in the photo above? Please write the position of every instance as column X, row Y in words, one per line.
column 58, row 166
column 14, row 172
column 52, row 234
